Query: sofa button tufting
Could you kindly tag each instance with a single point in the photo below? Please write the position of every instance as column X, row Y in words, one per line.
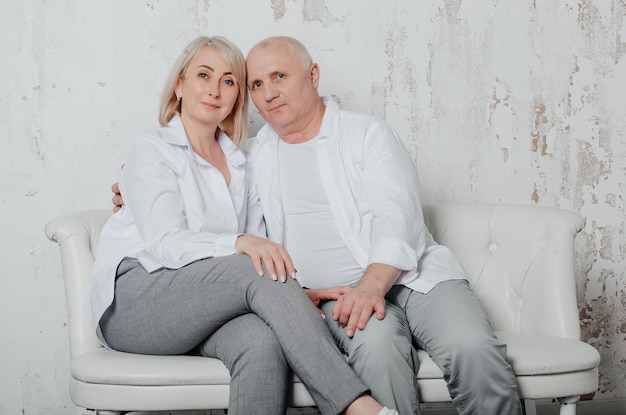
column 493, row 248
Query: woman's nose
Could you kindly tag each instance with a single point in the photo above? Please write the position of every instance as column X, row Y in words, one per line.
column 214, row 89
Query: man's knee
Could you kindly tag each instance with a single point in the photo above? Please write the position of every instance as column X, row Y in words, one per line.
column 382, row 344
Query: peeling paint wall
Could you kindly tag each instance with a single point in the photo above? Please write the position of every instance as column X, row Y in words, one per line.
column 498, row 101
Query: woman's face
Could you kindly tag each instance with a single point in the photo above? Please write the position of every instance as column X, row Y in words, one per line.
column 208, row 89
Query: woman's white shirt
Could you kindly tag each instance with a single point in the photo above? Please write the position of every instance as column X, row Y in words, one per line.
column 177, row 209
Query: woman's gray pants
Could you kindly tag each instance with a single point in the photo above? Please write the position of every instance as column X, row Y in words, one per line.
column 221, row 308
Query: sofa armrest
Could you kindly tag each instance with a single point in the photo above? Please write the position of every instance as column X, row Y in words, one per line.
column 77, row 235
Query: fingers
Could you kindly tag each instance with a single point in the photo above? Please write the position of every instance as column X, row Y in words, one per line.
column 290, row 269
column 117, row 202
column 341, row 311
column 272, row 267
column 267, row 255
column 117, row 197
column 379, row 308
column 347, row 315
column 354, row 312
column 258, row 266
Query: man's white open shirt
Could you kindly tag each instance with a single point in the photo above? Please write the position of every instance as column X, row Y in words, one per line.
column 373, row 191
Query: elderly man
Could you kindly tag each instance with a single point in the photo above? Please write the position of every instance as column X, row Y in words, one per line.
column 340, row 191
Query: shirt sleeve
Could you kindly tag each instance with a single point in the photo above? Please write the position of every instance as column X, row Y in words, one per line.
column 152, row 195
column 255, row 222
column 392, row 192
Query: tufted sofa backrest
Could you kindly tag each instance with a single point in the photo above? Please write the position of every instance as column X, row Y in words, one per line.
column 519, row 260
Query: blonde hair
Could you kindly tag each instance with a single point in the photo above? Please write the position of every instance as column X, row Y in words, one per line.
column 235, row 125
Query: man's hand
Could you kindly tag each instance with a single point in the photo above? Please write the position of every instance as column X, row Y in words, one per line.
column 117, row 200
column 323, row 294
column 354, row 309
column 273, row 256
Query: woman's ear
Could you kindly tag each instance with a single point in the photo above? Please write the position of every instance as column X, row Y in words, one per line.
column 178, row 89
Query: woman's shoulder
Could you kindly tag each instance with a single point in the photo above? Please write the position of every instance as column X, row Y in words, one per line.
column 160, row 137
column 157, row 145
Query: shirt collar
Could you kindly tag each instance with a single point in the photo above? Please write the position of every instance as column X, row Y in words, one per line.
column 175, row 134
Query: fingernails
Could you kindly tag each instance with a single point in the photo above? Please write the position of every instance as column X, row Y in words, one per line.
column 293, row 275
column 274, row 277
column 283, row 278
column 323, row 316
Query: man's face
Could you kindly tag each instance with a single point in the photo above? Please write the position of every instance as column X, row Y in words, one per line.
column 283, row 91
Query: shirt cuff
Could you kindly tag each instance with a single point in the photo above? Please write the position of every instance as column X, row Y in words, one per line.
column 394, row 252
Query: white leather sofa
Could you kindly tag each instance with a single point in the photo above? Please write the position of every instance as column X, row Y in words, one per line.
column 520, row 262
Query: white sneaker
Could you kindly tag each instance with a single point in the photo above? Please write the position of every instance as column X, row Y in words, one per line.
column 387, row 411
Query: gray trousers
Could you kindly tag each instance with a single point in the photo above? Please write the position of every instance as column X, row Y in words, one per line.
column 221, row 308
column 451, row 326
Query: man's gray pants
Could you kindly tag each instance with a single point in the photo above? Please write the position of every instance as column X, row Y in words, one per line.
column 221, row 308
column 451, row 326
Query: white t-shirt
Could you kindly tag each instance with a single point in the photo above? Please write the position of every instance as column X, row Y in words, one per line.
column 310, row 230
column 372, row 187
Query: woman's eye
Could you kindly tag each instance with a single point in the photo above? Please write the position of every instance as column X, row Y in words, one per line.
column 229, row 82
column 203, row 75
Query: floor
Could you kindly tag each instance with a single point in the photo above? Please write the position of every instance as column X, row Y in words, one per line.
column 598, row 407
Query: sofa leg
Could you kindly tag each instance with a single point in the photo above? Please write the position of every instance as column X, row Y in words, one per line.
column 108, row 413
column 568, row 405
column 528, row 405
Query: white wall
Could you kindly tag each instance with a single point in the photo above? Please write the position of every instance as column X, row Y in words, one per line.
column 499, row 101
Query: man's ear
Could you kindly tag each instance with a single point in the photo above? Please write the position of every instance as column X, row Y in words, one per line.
column 314, row 73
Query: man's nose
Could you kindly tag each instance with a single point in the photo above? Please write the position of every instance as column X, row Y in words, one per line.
column 269, row 93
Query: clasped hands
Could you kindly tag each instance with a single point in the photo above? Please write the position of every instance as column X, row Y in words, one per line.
column 354, row 306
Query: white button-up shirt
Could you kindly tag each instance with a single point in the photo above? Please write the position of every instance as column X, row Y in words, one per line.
column 373, row 191
column 177, row 209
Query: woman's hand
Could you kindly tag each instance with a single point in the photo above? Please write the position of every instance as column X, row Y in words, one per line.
column 273, row 256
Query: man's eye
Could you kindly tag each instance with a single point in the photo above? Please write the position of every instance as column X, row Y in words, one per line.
column 280, row 75
column 256, row 85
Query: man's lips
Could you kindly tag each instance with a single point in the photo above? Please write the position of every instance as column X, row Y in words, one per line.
column 275, row 107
